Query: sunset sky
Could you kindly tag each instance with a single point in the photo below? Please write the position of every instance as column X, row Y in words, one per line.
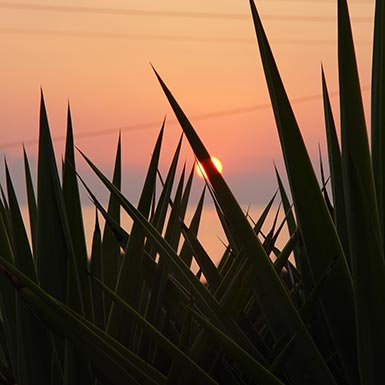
column 96, row 54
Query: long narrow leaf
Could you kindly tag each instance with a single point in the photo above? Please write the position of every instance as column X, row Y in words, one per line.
column 366, row 243
column 111, row 248
column 205, row 263
column 8, row 301
column 378, row 109
column 282, row 312
column 73, row 208
column 22, row 251
column 335, row 165
column 72, row 197
column 204, row 298
column 50, row 238
column 96, row 271
column 154, row 312
column 173, row 350
column 186, row 252
column 117, row 363
column 128, row 285
column 321, row 246
column 32, row 209
column 256, row 370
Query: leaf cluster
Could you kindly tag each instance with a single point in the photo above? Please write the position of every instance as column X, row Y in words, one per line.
column 132, row 311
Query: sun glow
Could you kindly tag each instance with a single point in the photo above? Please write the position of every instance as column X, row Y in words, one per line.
column 199, row 168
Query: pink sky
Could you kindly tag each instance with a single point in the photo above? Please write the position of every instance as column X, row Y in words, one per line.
column 100, row 62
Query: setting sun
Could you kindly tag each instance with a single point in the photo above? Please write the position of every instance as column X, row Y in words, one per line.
column 199, row 169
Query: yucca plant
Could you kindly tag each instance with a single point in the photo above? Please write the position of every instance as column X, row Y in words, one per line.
column 131, row 310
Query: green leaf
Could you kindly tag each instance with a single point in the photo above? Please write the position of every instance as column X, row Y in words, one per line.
column 321, row 246
column 22, row 251
column 177, row 374
column 4, row 210
column 158, row 220
column 149, row 265
column 130, row 275
column 6, row 373
column 186, row 252
column 171, row 236
column 187, row 190
column 52, row 249
column 204, row 261
column 315, row 295
column 111, row 257
column 8, row 301
column 96, row 271
column 75, row 219
column 177, row 353
column 116, row 363
column 120, row 234
column 335, row 165
column 290, row 220
column 378, row 109
column 282, row 313
column 72, row 197
column 33, row 340
column 173, row 230
column 279, row 352
column 272, row 235
column 253, row 367
column 204, row 298
column 158, row 287
column 35, row 347
column 366, row 243
column 301, row 261
column 284, row 255
column 32, row 209
column 6, row 369
column 324, row 183
column 77, row 367
column 263, row 216
column 60, row 273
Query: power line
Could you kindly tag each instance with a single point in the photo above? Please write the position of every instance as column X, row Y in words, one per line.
column 172, row 38
column 157, row 13
column 198, row 117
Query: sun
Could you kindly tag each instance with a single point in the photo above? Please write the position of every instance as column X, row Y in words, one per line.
column 199, row 169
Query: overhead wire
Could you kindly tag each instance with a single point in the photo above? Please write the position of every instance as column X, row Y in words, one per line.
column 154, row 124
column 37, row 7
column 156, row 37
column 21, row 6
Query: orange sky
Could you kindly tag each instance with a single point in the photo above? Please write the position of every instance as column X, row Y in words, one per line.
column 99, row 60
